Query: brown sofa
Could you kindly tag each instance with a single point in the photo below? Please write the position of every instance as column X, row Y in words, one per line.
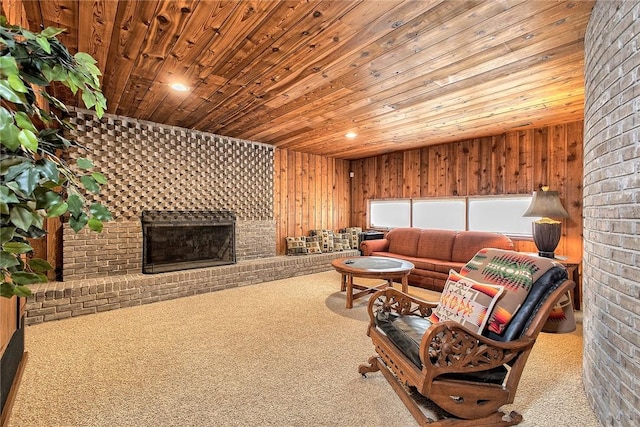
column 433, row 252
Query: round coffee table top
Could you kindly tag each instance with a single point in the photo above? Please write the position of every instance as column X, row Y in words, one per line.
column 373, row 264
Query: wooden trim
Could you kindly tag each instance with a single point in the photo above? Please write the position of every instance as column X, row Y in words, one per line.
column 11, row 397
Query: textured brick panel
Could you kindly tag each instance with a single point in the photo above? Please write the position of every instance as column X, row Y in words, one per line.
column 611, row 264
column 157, row 167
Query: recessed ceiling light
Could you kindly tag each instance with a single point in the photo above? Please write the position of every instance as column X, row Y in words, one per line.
column 179, row 87
column 351, row 135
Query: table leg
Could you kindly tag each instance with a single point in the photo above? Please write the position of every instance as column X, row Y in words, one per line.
column 349, row 290
column 343, row 282
column 405, row 284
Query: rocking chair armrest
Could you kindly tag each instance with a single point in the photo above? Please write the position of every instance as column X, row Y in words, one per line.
column 393, row 300
column 449, row 347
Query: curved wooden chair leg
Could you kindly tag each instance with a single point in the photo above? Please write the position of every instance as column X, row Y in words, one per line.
column 371, row 367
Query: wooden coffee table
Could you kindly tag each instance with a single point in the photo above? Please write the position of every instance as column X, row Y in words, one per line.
column 370, row 267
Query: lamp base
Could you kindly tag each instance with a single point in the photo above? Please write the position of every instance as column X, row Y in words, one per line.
column 546, row 254
column 546, row 237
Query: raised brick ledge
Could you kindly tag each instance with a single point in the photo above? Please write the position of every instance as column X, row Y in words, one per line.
column 60, row 300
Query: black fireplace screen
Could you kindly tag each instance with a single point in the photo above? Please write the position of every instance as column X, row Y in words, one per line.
column 180, row 240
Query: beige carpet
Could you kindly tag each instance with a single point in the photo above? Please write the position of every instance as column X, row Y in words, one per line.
column 282, row 353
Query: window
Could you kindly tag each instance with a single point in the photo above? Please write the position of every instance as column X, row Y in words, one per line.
column 446, row 214
column 390, row 213
column 502, row 214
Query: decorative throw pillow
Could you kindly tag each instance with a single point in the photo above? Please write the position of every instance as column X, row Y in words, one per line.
column 297, row 246
column 466, row 301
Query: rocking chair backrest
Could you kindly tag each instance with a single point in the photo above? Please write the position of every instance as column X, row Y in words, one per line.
column 527, row 282
column 539, row 293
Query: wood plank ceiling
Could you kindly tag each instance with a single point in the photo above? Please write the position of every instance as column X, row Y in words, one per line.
column 301, row 74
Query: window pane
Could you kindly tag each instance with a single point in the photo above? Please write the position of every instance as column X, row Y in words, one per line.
column 390, row 213
column 502, row 215
column 445, row 214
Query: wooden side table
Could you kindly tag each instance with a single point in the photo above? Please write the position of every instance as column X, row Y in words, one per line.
column 573, row 266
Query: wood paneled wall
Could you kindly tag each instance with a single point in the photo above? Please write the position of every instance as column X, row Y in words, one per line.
column 311, row 192
column 512, row 163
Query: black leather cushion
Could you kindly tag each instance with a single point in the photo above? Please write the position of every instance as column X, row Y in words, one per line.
column 539, row 292
column 405, row 332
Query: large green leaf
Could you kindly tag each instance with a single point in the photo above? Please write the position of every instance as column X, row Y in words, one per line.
column 16, row 84
column 28, row 139
column 25, row 278
column 7, row 196
column 24, row 122
column 75, row 205
column 27, row 180
column 44, row 43
column 21, row 217
column 78, row 223
column 39, row 265
column 6, row 118
column 11, row 167
column 9, row 137
column 100, row 178
column 8, row 260
column 90, row 184
column 7, row 92
column 46, row 198
column 57, row 210
column 98, row 211
column 6, row 233
column 84, row 163
column 52, row 31
column 8, row 290
column 48, row 169
column 17, row 247
column 95, row 225
column 8, row 66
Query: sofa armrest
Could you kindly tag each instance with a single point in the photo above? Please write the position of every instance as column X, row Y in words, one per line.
column 378, row 245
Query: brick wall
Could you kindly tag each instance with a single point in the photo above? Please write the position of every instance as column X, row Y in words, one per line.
column 611, row 263
column 154, row 166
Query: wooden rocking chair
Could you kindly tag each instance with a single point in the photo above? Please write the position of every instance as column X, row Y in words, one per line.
column 468, row 374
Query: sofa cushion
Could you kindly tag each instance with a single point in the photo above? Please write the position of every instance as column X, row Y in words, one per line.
column 403, row 241
column 467, row 243
column 436, row 244
column 466, row 301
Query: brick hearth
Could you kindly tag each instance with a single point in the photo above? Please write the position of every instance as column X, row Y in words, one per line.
column 60, row 300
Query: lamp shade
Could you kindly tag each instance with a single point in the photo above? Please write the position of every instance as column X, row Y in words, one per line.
column 546, row 204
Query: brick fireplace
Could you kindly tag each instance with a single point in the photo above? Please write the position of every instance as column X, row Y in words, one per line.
column 182, row 240
column 155, row 167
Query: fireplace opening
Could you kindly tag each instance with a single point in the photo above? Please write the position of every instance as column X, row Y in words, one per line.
column 181, row 240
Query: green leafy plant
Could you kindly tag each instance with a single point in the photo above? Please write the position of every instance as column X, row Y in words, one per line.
column 36, row 180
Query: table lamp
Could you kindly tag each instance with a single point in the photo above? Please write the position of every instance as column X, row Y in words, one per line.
column 546, row 231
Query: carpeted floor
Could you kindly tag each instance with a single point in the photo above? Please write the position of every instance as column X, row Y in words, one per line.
column 282, row 353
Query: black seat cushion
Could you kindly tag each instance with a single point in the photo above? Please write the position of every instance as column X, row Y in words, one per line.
column 406, row 333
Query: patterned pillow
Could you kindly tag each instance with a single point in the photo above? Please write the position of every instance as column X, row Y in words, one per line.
column 313, row 245
column 297, row 246
column 466, row 301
